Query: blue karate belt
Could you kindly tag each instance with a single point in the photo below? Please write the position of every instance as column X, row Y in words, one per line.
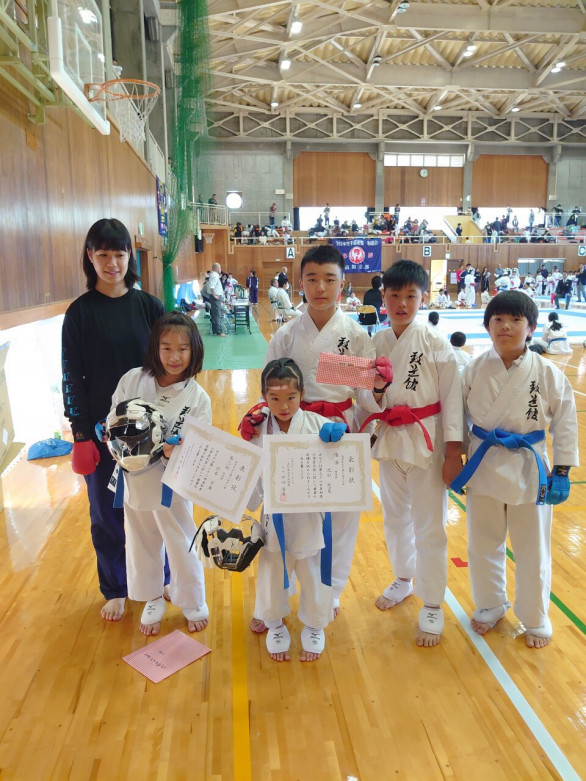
column 512, row 442
column 326, row 553
column 559, row 339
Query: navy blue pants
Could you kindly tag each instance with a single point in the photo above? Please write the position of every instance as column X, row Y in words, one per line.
column 107, row 528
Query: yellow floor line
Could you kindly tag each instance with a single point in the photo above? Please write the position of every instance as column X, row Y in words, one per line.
column 240, row 712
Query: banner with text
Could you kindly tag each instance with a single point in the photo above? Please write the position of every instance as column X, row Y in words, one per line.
column 360, row 254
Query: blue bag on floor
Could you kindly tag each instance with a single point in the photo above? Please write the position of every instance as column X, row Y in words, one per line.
column 49, row 448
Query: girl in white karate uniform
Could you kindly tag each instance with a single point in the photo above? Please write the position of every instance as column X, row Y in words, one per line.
column 554, row 339
column 282, row 390
column 166, row 380
column 512, row 392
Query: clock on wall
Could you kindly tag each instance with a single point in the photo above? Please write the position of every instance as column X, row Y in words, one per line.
column 423, row 173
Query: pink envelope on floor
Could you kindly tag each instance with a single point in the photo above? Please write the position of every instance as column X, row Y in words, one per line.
column 165, row 656
column 352, row 370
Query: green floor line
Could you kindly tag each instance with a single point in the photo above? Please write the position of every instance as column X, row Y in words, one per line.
column 556, row 600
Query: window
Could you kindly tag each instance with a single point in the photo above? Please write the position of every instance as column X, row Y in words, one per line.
column 427, row 161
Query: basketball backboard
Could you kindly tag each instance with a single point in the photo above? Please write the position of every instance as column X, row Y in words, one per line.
column 76, row 54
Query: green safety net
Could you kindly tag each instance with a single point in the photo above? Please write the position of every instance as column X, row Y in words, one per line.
column 190, row 141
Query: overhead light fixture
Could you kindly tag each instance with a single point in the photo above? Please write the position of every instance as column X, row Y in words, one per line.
column 358, row 105
column 274, row 103
column 296, row 26
column 560, row 64
column 403, row 7
column 285, row 64
column 376, row 60
column 556, row 69
column 438, row 107
column 515, row 109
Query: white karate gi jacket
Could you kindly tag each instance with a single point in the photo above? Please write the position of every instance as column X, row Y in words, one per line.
column 303, row 531
column 143, row 489
column 531, row 395
column 300, row 340
column 424, row 371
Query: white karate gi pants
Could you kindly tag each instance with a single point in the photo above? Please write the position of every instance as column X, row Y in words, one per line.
column 344, row 533
column 415, row 506
column 272, row 600
column 529, row 528
column 146, row 532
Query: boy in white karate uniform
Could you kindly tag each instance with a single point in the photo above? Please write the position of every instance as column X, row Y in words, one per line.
column 512, row 397
column 323, row 327
column 418, row 446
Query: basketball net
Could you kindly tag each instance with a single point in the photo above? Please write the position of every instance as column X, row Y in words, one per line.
column 130, row 101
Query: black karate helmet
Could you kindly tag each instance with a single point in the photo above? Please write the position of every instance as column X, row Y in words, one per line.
column 136, row 433
column 227, row 549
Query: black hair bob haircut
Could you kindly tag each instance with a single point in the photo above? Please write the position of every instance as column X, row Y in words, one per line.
column 152, row 361
column 514, row 303
column 108, row 234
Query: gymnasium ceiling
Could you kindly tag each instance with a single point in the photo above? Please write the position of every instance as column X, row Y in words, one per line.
column 374, row 69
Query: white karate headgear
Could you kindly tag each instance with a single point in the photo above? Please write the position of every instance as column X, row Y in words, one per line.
column 136, row 431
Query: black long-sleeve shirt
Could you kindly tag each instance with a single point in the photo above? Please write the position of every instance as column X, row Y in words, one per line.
column 102, row 339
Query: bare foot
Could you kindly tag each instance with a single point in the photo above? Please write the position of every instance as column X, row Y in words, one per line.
column 278, row 642
column 197, row 626
column 336, row 608
column 113, row 610
column 258, row 626
column 534, row 641
column 399, row 590
column 152, row 615
column 284, row 657
column 307, row 656
column 150, row 629
column 485, row 619
column 197, row 617
column 426, row 639
column 481, row 627
column 313, row 642
column 430, row 626
column 167, row 592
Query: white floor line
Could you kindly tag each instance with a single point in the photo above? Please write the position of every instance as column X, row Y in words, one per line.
column 540, row 732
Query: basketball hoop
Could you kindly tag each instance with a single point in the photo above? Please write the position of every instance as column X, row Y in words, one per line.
column 130, row 101
column 209, row 237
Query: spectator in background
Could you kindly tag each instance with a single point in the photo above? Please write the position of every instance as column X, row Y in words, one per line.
column 327, row 214
column 272, row 213
column 374, row 297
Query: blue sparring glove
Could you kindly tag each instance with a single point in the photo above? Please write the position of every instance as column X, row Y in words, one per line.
column 332, row 432
column 173, row 440
column 558, row 485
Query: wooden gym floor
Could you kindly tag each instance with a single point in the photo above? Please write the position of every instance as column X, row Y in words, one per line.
column 374, row 707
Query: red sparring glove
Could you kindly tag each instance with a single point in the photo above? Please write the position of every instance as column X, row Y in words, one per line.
column 384, row 367
column 248, row 425
column 85, row 457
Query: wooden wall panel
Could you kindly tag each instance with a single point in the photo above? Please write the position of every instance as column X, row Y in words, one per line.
column 57, row 179
column 442, row 187
column 518, row 180
column 340, row 178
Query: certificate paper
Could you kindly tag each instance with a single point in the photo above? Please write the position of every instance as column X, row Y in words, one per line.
column 213, row 469
column 303, row 474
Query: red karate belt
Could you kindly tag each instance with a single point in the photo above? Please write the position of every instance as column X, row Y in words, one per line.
column 401, row 415
column 329, row 409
